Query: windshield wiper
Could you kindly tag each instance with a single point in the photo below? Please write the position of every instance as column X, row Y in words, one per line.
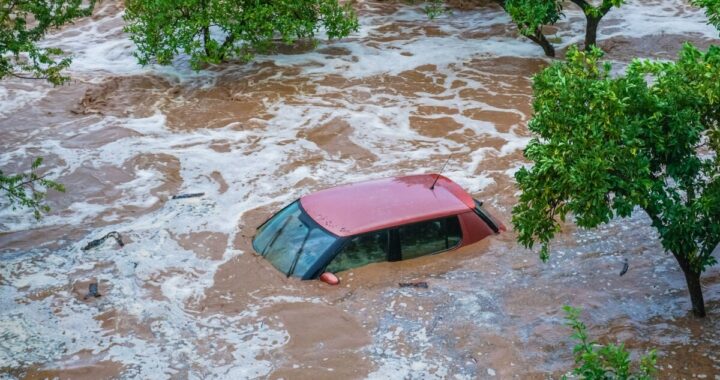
column 287, row 220
column 297, row 255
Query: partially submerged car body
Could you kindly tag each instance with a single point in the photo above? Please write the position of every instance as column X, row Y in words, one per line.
column 390, row 219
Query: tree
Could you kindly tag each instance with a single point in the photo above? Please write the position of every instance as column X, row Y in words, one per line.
column 28, row 189
column 712, row 10
column 604, row 362
column 213, row 31
column 22, row 24
column 531, row 16
column 648, row 139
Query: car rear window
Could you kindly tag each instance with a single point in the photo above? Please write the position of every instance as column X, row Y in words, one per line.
column 361, row 250
column 433, row 236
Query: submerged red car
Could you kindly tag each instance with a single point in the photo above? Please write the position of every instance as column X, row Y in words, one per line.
column 389, row 219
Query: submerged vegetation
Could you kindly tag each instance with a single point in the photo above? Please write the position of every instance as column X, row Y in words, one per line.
column 215, row 31
column 596, row 361
column 532, row 16
column 607, row 145
column 23, row 24
column 28, row 189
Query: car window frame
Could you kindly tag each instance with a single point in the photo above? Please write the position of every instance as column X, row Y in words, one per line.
column 346, row 240
column 459, row 243
column 486, row 216
column 394, row 253
column 311, row 225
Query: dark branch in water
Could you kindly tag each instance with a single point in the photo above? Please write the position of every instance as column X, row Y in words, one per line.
column 97, row 242
column 625, row 267
column 184, row 196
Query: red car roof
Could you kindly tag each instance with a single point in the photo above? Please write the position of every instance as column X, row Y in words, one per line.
column 366, row 206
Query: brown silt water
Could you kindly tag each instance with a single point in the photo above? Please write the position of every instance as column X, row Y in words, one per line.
column 187, row 298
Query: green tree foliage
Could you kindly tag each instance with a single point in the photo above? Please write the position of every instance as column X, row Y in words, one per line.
column 212, row 31
column 604, row 362
column 531, row 15
column 712, row 10
column 434, row 8
column 606, row 145
column 28, row 189
column 22, row 24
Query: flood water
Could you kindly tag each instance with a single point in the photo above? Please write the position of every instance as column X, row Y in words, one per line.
column 187, row 298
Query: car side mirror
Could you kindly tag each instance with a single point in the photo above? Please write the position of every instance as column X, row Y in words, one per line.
column 329, row 278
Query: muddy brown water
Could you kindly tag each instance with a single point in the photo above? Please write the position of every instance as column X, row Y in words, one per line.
column 187, row 298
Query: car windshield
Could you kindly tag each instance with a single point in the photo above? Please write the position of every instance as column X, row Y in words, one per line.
column 291, row 241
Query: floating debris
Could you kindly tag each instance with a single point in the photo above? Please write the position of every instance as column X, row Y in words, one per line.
column 419, row 284
column 92, row 291
column 185, row 196
column 97, row 242
column 625, row 267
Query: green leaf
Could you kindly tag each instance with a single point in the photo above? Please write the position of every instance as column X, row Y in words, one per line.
column 214, row 31
column 596, row 361
column 27, row 189
column 25, row 22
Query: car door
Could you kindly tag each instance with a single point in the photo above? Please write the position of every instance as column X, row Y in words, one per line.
column 360, row 250
column 429, row 237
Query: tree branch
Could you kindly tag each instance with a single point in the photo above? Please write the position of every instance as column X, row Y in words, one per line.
column 584, row 5
column 206, row 39
column 540, row 39
column 605, row 7
column 23, row 184
column 226, row 44
column 23, row 76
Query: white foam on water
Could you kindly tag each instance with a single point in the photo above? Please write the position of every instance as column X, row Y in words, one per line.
column 49, row 328
column 639, row 19
column 417, row 364
column 19, row 94
column 60, row 324
column 100, row 48
column 396, row 56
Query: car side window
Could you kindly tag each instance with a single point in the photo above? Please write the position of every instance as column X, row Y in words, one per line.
column 361, row 250
column 433, row 236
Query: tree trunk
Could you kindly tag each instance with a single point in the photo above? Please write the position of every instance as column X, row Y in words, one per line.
column 206, row 40
column 226, row 46
column 696, row 296
column 692, row 278
column 539, row 38
column 693, row 283
column 591, row 31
